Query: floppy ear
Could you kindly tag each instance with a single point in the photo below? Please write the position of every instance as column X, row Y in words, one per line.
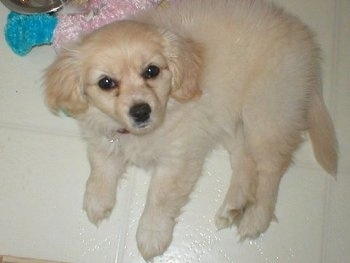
column 63, row 85
column 185, row 59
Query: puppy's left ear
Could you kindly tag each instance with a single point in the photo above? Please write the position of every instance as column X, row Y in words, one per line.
column 185, row 60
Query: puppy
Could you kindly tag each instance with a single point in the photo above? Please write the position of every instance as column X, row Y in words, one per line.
column 163, row 88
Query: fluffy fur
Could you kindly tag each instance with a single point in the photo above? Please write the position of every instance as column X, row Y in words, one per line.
column 240, row 73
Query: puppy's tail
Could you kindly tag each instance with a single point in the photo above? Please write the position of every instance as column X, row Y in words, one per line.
column 322, row 134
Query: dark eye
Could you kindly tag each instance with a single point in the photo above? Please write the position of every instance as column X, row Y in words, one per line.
column 107, row 83
column 151, row 72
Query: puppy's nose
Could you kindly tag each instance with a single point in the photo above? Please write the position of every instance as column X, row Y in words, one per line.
column 140, row 112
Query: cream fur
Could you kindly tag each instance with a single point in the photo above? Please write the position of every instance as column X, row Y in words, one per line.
column 240, row 73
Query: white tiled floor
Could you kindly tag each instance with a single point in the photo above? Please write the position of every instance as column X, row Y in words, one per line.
column 43, row 168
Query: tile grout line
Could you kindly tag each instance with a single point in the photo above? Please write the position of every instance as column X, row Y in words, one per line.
column 37, row 129
column 337, row 16
column 125, row 220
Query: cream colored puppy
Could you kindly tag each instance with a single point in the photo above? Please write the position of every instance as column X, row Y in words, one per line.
column 163, row 88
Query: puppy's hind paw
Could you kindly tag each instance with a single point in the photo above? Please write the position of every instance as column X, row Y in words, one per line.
column 226, row 217
column 232, row 209
column 255, row 221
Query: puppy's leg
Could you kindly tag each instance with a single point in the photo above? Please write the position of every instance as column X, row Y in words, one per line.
column 241, row 191
column 100, row 193
column 272, row 156
column 169, row 191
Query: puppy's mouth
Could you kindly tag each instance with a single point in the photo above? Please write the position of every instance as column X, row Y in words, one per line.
column 123, row 131
column 137, row 129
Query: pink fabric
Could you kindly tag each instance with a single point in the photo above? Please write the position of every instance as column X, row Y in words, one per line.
column 93, row 15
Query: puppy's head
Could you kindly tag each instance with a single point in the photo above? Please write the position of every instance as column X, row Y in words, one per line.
column 126, row 70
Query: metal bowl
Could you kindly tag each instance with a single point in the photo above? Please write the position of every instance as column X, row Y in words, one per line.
column 34, row 6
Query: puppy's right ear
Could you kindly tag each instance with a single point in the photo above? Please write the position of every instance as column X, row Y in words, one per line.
column 63, row 84
column 185, row 62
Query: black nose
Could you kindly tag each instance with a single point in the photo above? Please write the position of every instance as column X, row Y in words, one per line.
column 140, row 112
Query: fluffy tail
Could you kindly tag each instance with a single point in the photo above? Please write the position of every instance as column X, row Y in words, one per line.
column 322, row 134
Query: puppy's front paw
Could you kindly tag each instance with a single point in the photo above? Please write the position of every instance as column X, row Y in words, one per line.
column 99, row 201
column 154, row 235
column 255, row 221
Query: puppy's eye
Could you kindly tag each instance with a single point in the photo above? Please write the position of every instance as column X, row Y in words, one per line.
column 107, row 83
column 151, row 72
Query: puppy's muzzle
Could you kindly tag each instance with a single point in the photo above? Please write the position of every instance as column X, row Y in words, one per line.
column 140, row 113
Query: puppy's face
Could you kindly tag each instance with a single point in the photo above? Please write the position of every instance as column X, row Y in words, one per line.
column 126, row 70
column 126, row 75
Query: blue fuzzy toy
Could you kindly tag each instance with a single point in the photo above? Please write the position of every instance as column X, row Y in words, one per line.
column 23, row 32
